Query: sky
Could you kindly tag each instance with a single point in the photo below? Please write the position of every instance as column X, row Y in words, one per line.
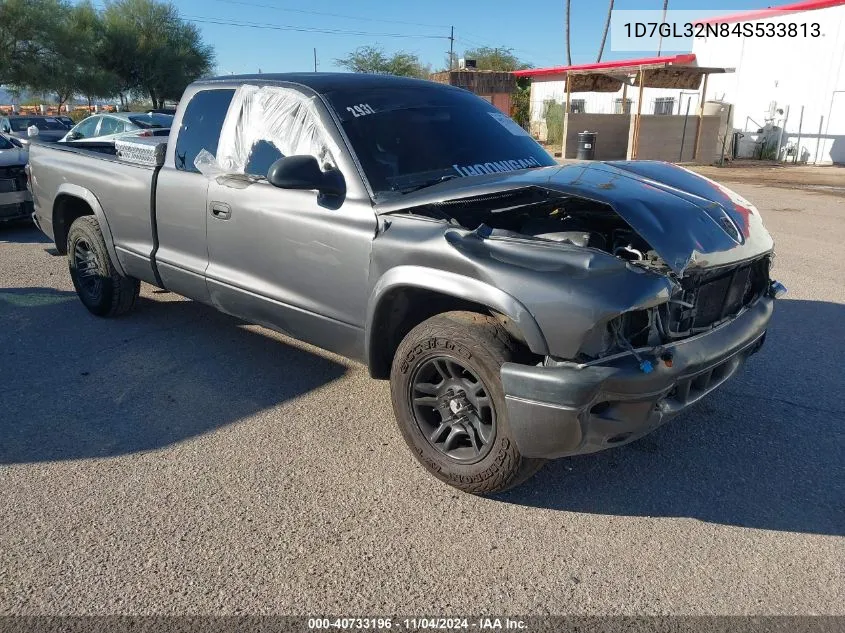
column 534, row 30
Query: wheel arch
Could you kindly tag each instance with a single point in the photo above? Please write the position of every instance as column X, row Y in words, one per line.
column 71, row 202
column 408, row 295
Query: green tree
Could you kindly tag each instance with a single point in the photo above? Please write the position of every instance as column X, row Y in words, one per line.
column 499, row 58
column 71, row 63
column 27, row 32
column 147, row 47
column 521, row 100
column 372, row 59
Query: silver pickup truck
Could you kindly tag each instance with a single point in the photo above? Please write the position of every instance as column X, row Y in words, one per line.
column 522, row 310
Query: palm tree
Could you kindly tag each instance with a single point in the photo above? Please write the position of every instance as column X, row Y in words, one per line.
column 663, row 19
column 606, row 28
column 568, row 50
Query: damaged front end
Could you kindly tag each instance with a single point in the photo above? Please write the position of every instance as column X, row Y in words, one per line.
column 650, row 285
column 655, row 253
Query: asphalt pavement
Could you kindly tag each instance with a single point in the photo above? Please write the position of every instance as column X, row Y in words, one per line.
column 178, row 461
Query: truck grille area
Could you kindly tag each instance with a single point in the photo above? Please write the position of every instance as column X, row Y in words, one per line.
column 12, row 179
column 711, row 298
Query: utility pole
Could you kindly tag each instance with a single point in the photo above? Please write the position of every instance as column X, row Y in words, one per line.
column 452, row 48
column 315, row 59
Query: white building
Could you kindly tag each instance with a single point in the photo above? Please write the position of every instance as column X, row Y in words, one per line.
column 795, row 84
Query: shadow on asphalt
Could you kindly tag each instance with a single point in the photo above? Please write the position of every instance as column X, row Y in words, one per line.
column 22, row 232
column 766, row 451
column 77, row 386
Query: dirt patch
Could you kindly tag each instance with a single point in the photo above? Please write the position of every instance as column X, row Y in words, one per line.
column 828, row 179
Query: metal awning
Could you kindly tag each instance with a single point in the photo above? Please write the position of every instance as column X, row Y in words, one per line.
column 675, row 71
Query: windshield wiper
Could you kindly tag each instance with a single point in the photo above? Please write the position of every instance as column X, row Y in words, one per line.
column 425, row 183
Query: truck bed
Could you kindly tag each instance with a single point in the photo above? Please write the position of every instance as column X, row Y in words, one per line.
column 122, row 192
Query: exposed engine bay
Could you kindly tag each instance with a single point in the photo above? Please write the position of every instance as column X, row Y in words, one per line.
column 700, row 301
column 544, row 215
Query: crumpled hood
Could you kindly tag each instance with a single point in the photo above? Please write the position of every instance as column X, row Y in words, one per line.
column 689, row 220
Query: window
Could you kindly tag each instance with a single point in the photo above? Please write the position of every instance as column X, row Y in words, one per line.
column 110, row 125
column 664, row 105
column 577, row 106
column 265, row 124
column 405, row 137
column 87, row 128
column 201, row 125
column 622, row 108
column 153, row 120
column 42, row 123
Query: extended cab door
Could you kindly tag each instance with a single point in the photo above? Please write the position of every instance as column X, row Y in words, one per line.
column 284, row 258
column 180, row 214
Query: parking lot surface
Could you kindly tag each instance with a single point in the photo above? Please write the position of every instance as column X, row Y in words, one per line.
column 178, row 461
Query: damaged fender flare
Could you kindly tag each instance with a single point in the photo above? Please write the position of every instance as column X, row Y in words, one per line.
column 455, row 285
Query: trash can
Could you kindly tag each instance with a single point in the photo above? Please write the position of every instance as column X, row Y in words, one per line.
column 586, row 146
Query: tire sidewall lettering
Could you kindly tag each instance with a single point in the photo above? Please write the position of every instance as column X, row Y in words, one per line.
column 433, row 344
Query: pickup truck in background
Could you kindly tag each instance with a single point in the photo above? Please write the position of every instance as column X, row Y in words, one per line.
column 521, row 310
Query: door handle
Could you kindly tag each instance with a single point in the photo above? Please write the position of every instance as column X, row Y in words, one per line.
column 221, row 210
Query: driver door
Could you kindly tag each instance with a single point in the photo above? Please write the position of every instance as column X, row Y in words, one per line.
column 281, row 258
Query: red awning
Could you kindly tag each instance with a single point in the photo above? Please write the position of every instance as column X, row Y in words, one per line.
column 617, row 66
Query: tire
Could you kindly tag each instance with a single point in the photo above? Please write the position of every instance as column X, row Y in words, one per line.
column 103, row 290
column 434, row 380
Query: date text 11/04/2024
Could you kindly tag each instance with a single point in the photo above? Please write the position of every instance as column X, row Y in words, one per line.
column 722, row 29
column 417, row 624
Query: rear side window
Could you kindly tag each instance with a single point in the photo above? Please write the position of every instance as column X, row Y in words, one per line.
column 110, row 126
column 88, row 127
column 201, row 125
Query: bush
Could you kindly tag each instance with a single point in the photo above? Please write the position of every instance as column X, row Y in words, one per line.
column 553, row 115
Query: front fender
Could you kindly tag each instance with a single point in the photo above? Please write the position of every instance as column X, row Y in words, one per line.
column 76, row 191
column 460, row 287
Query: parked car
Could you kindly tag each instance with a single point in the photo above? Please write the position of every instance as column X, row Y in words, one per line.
column 107, row 127
column 521, row 310
column 15, row 199
column 170, row 111
column 50, row 129
column 68, row 122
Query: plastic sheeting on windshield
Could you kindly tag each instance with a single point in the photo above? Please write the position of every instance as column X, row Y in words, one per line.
column 284, row 118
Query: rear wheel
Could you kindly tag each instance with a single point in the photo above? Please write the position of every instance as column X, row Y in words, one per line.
column 450, row 406
column 101, row 288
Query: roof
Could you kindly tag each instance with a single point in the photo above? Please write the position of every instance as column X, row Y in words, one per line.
column 773, row 12
column 326, row 82
column 631, row 65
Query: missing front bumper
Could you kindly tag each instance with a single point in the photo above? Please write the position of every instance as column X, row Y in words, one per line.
column 573, row 409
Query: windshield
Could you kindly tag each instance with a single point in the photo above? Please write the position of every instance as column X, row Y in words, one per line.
column 147, row 121
column 6, row 143
column 42, row 123
column 410, row 137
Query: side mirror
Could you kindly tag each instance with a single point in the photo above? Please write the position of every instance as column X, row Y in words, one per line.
column 303, row 172
column 74, row 136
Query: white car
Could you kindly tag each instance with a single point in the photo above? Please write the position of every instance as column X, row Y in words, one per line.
column 101, row 128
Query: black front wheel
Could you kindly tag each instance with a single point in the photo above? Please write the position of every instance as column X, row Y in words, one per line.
column 101, row 288
column 450, row 405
